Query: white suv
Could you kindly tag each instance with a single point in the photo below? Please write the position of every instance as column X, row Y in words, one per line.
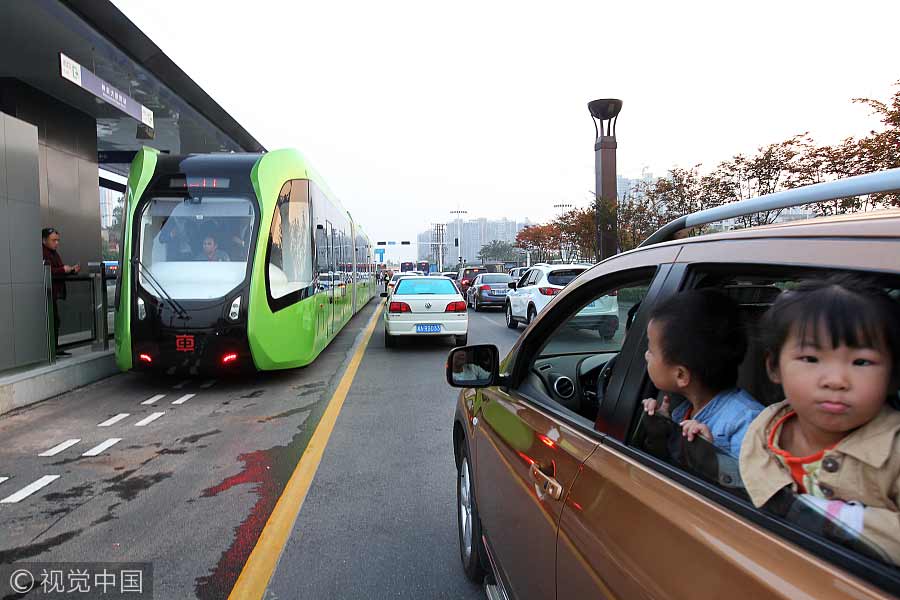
column 537, row 286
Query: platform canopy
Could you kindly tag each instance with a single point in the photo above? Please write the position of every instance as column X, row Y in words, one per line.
column 120, row 68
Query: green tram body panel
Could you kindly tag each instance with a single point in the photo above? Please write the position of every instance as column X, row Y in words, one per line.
column 295, row 334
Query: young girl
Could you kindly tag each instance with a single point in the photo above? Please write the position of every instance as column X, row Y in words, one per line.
column 834, row 347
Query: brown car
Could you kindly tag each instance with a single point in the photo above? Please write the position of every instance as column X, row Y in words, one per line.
column 562, row 492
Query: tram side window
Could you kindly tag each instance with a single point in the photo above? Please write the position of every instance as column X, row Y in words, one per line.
column 290, row 244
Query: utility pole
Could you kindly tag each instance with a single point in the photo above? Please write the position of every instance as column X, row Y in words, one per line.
column 459, row 213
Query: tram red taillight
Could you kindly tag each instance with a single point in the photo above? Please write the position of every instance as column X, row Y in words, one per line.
column 145, row 358
column 229, row 358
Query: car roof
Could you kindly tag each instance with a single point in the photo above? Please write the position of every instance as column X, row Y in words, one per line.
column 879, row 223
column 565, row 267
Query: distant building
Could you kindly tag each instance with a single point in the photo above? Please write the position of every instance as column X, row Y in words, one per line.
column 472, row 234
column 624, row 184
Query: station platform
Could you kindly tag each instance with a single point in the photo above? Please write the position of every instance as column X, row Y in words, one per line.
column 33, row 384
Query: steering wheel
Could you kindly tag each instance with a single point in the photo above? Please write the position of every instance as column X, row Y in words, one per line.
column 603, row 380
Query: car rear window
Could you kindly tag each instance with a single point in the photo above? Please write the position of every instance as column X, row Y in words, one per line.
column 472, row 273
column 563, row 276
column 496, row 278
column 425, row 286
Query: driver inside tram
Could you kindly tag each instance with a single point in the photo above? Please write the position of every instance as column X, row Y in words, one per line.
column 211, row 251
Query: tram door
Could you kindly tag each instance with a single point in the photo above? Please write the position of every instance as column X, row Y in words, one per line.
column 329, row 311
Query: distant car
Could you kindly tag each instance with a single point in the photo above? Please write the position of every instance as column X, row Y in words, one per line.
column 425, row 307
column 488, row 289
column 536, row 288
column 326, row 280
column 517, row 272
column 467, row 275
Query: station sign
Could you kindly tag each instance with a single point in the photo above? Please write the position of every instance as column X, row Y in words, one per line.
column 86, row 80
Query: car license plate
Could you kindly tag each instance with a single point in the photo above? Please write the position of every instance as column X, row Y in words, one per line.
column 428, row 328
column 499, row 292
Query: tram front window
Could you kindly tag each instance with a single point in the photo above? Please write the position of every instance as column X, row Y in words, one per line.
column 195, row 248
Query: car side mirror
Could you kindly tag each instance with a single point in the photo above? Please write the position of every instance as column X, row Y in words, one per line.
column 511, row 285
column 473, row 366
column 384, row 294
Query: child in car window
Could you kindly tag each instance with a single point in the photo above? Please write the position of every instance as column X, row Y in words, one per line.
column 834, row 346
column 695, row 343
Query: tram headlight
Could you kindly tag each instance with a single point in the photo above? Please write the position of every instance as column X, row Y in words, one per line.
column 235, row 311
column 142, row 309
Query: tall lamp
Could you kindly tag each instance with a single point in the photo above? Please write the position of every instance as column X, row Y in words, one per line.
column 605, row 112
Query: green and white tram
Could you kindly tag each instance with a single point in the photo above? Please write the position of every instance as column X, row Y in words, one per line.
column 234, row 262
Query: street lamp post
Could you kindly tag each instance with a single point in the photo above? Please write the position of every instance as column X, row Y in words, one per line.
column 606, row 111
column 459, row 214
column 561, row 209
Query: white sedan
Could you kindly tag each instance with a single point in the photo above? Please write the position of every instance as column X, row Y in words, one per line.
column 425, row 306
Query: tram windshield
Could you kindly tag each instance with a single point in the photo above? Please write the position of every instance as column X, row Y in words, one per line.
column 196, row 248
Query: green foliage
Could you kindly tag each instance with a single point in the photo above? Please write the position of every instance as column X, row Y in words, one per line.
column 498, row 250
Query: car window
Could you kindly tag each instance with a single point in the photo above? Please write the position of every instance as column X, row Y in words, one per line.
column 563, row 276
column 426, row 286
column 495, row 279
column 523, row 280
column 601, row 324
column 661, row 437
column 533, row 276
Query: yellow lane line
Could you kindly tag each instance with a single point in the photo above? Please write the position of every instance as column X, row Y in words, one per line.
column 258, row 569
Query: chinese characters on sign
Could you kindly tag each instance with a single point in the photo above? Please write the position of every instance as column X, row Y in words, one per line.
column 86, row 80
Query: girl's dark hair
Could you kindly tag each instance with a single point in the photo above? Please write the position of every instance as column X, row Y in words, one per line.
column 853, row 310
column 702, row 330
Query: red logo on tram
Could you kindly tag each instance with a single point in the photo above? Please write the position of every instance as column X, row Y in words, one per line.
column 184, row 343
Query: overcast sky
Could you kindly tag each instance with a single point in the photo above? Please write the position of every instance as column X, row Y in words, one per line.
column 412, row 109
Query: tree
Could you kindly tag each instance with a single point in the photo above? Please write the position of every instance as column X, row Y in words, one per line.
column 497, row 250
column 542, row 241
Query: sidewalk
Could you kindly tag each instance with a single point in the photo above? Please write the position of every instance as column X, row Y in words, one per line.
column 29, row 385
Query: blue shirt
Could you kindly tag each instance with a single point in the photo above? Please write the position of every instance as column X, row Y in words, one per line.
column 728, row 415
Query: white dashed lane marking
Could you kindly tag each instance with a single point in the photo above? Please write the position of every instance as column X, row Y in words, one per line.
column 100, row 448
column 114, row 420
column 181, row 384
column 207, row 384
column 149, row 419
column 153, row 399
column 60, row 447
column 2, row 479
column 184, row 399
column 30, row 489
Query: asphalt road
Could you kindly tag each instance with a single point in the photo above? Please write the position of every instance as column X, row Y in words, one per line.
column 189, row 490
column 380, row 518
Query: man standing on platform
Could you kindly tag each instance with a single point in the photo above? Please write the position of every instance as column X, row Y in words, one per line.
column 58, row 270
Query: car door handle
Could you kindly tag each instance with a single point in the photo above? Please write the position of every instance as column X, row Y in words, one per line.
column 550, row 485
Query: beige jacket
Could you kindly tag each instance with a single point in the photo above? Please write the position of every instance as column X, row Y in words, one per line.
column 864, row 466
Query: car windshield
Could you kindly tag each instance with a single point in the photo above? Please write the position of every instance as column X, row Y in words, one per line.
column 425, row 286
column 563, row 276
column 195, row 249
column 496, row 278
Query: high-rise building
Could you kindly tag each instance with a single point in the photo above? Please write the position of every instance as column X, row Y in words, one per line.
column 472, row 235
